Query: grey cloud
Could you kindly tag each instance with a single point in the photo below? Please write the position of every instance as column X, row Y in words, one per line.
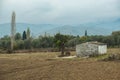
column 61, row 11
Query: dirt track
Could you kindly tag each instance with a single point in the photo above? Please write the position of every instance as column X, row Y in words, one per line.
column 34, row 67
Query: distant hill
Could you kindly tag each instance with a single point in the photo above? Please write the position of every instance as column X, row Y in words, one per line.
column 36, row 29
column 78, row 30
column 97, row 28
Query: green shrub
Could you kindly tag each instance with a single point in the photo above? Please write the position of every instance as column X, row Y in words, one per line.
column 112, row 57
column 94, row 55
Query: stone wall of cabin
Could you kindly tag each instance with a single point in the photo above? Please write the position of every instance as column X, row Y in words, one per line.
column 87, row 49
column 102, row 49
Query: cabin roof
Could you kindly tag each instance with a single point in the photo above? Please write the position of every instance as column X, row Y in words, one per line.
column 97, row 43
column 94, row 42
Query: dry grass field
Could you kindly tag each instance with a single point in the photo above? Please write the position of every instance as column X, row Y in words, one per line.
column 45, row 66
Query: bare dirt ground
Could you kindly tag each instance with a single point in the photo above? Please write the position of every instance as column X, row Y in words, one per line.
column 44, row 66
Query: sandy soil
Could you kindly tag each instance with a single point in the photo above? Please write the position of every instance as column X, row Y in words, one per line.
column 43, row 66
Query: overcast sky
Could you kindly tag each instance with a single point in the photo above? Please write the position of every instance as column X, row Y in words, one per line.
column 59, row 11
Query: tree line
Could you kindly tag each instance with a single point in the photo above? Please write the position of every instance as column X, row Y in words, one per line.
column 60, row 41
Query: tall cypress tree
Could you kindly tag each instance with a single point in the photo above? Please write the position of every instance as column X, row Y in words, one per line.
column 28, row 33
column 85, row 32
column 24, row 35
column 13, row 30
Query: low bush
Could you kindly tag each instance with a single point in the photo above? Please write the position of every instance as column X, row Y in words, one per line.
column 67, row 53
column 112, row 57
column 94, row 55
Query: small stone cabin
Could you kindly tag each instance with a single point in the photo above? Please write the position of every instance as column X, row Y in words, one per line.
column 89, row 48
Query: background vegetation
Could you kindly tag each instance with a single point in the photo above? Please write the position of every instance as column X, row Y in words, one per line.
column 25, row 41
